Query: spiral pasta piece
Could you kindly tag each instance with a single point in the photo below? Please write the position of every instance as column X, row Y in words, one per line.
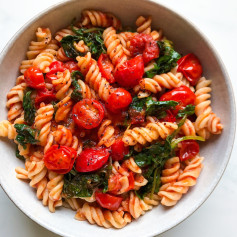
column 14, row 101
column 62, row 84
column 151, row 132
column 81, row 47
column 21, row 173
column 136, row 206
column 63, row 136
column 43, row 119
column 61, row 55
column 171, row 193
column 105, row 218
column 98, row 18
column 188, row 128
column 106, row 133
column 114, row 47
column 64, row 106
column 206, row 119
column 43, row 60
column 7, row 129
column 55, row 185
column 87, row 92
column 72, row 203
column 155, row 84
column 90, row 69
column 171, row 170
column 63, row 33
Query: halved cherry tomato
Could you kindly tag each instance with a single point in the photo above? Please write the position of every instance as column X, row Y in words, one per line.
column 60, row 158
column 92, row 159
column 169, row 117
column 45, row 95
column 189, row 149
column 108, row 201
column 191, row 67
column 119, row 100
column 71, row 66
column 145, row 45
column 88, row 113
column 182, row 94
column 106, row 67
column 34, row 78
column 119, row 150
column 130, row 72
column 55, row 67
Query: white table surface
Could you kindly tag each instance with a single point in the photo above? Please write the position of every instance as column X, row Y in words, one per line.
column 218, row 20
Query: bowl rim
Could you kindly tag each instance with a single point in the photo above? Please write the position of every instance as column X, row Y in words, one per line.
column 187, row 21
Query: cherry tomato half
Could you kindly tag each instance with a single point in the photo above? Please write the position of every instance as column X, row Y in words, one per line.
column 88, row 113
column 108, row 201
column 119, row 150
column 145, row 45
column 55, row 67
column 92, row 159
column 114, row 186
column 71, row 66
column 60, row 158
column 106, row 67
column 34, row 78
column 182, row 94
column 130, row 72
column 45, row 95
column 189, row 149
column 191, row 67
column 119, row 100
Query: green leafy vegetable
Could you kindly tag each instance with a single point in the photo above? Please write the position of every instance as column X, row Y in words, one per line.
column 77, row 92
column 25, row 134
column 167, row 60
column 189, row 110
column 152, row 159
column 151, row 107
column 83, row 184
column 29, row 108
column 92, row 38
column 18, row 154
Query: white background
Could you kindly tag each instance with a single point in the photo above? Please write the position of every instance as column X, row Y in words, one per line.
column 218, row 21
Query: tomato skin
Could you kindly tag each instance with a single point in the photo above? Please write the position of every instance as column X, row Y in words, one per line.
column 34, row 78
column 119, row 150
column 60, row 159
column 130, row 72
column 106, row 68
column 108, row 201
column 191, row 67
column 92, row 159
column 114, row 185
column 55, row 67
column 131, row 181
column 119, row 100
column 183, row 95
column 71, row 66
column 45, row 95
column 88, row 113
column 189, row 149
column 145, row 45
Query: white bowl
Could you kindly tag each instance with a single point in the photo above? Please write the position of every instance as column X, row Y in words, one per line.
column 216, row 151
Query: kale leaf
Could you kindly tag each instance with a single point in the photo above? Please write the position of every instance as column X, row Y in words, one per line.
column 189, row 110
column 29, row 108
column 167, row 59
column 20, row 157
column 92, row 38
column 25, row 134
column 77, row 92
column 150, row 106
column 83, row 184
